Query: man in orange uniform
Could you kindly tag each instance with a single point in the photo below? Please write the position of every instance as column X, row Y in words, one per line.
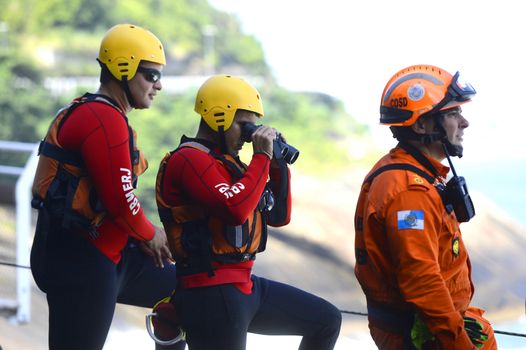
column 410, row 257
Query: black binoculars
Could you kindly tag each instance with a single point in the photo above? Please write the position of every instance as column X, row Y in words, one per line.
column 281, row 148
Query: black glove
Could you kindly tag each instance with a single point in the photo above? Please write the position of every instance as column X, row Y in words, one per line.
column 474, row 329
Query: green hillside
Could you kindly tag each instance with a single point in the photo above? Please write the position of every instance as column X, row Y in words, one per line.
column 58, row 38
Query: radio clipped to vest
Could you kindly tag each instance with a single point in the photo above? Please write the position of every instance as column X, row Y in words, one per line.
column 455, row 195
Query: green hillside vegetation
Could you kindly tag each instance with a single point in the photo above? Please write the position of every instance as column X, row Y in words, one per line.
column 58, row 38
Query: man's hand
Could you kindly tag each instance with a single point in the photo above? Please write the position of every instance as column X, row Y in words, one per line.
column 157, row 247
column 262, row 140
column 475, row 331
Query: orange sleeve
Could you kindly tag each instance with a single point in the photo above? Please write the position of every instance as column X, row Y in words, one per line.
column 413, row 226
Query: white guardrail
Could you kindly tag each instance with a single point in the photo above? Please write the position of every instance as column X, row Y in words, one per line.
column 23, row 227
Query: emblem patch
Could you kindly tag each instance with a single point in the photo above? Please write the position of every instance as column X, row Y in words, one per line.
column 416, row 92
column 410, row 220
column 455, row 246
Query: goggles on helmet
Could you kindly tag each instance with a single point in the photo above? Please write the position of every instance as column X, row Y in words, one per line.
column 398, row 111
column 457, row 92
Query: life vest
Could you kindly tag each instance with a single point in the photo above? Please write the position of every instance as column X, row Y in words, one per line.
column 62, row 185
column 197, row 238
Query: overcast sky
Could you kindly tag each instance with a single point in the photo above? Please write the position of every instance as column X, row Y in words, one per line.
column 350, row 49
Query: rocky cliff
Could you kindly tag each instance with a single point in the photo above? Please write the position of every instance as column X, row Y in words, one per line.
column 315, row 253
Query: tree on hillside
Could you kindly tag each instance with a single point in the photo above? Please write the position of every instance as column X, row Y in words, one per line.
column 24, row 103
column 64, row 26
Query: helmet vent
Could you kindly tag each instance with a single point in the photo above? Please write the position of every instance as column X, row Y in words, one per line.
column 228, row 106
column 219, row 114
column 122, row 64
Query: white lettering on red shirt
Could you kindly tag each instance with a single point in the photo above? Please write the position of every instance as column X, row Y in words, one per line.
column 230, row 191
column 127, row 187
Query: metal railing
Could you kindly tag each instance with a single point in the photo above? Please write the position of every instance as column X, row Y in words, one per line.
column 23, row 226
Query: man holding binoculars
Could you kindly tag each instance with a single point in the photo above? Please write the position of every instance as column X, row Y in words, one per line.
column 215, row 210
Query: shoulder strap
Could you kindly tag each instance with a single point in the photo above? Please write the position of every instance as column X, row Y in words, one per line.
column 419, row 156
column 234, row 165
column 400, row 166
column 70, row 157
column 165, row 212
column 60, row 154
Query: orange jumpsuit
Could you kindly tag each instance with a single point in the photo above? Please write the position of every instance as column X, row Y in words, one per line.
column 410, row 258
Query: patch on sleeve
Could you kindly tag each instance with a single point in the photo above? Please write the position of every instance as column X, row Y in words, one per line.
column 418, row 180
column 411, row 220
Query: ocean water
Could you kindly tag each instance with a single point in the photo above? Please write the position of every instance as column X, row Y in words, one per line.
column 509, row 342
column 502, row 181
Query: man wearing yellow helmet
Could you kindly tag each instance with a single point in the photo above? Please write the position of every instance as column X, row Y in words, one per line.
column 215, row 210
column 411, row 260
column 86, row 254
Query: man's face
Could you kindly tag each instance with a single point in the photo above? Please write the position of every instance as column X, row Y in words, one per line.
column 145, row 84
column 233, row 134
column 454, row 124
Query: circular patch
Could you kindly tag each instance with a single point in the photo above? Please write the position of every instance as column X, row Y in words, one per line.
column 410, row 220
column 416, row 92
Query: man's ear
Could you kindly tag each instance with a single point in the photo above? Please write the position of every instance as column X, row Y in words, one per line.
column 419, row 126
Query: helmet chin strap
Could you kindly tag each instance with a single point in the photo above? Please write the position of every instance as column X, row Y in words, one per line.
column 453, row 150
column 449, row 148
column 222, row 139
column 126, row 88
column 426, row 139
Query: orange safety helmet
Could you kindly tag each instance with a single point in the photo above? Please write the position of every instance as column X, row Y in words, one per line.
column 418, row 90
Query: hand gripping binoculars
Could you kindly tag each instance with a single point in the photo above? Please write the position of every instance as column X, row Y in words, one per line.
column 282, row 150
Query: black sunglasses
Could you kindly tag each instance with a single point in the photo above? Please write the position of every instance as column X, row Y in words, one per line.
column 150, row 74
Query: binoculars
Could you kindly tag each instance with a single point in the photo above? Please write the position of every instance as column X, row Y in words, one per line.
column 281, row 149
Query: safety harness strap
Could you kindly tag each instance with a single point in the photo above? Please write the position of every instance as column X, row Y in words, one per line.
column 60, row 154
column 400, row 166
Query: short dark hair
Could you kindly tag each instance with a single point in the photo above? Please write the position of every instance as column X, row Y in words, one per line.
column 404, row 133
column 105, row 74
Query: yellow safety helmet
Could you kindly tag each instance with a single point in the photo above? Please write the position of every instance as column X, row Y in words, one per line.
column 124, row 46
column 418, row 90
column 221, row 96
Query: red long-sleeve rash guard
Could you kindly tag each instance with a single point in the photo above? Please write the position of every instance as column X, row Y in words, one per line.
column 195, row 176
column 100, row 133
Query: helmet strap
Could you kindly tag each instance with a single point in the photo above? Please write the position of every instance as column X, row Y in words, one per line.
column 222, row 139
column 449, row 148
column 406, row 134
column 126, row 87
